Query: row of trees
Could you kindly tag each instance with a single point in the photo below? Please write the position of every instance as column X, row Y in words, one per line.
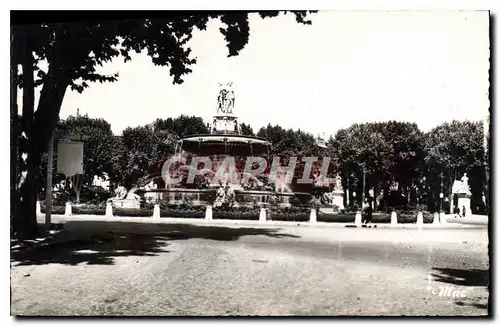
column 422, row 165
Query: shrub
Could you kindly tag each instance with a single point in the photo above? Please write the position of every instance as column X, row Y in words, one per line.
column 89, row 209
column 58, row 210
column 132, row 212
column 193, row 212
column 236, row 215
column 295, row 214
column 336, row 218
column 146, row 205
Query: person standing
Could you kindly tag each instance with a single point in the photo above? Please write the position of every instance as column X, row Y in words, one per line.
column 367, row 212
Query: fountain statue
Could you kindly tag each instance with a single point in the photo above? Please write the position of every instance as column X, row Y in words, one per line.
column 225, row 100
column 220, row 196
column 126, row 199
column 132, row 195
column 120, row 193
column 338, row 183
column 225, row 196
column 327, row 198
column 465, row 184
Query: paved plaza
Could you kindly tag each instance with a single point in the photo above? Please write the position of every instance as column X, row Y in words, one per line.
column 124, row 268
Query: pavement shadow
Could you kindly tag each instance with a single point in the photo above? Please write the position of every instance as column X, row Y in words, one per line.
column 465, row 277
column 100, row 242
column 476, row 305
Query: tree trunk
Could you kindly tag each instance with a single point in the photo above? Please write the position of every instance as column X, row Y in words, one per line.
column 27, row 225
column 450, row 195
column 40, row 127
column 14, row 131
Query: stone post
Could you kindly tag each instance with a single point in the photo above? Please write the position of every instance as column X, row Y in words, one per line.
column 357, row 219
column 38, row 208
column 109, row 209
column 262, row 215
column 436, row 218
column 156, row 211
column 394, row 218
column 67, row 211
column 312, row 216
column 442, row 218
column 208, row 213
column 420, row 219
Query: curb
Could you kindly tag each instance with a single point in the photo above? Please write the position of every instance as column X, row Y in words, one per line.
column 270, row 223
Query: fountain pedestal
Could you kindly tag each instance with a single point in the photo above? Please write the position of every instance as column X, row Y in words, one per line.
column 463, row 201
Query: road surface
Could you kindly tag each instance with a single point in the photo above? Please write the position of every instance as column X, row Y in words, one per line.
column 170, row 269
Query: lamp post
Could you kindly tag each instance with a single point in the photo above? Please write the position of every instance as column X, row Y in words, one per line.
column 371, row 193
column 441, row 195
column 364, row 184
column 48, row 186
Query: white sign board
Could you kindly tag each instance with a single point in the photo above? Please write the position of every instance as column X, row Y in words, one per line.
column 70, row 158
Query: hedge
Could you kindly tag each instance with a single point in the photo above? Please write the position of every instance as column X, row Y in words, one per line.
column 59, row 210
column 402, row 218
column 88, row 209
column 293, row 214
column 132, row 212
column 336, row 218
column 194, row 212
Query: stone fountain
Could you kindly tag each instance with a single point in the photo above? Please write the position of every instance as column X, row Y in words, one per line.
column 226, row 141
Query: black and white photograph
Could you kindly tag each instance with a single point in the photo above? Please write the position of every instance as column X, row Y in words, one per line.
column 317, row 163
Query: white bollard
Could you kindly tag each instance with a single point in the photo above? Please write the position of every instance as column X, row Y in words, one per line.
column 442, row 218
column 312, row 216
column 38, row 208
column 436, row 218
column 394, row 218
column 109, row 210
column 420, row 219
column 67, row 211
column 357, row 219
column 262, row 215
column 156, row 211
column 208, row 213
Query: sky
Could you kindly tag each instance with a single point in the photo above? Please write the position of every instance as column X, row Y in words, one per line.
column 347, row 67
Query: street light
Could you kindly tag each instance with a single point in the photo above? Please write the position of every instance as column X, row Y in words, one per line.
column 364, row 183
column 440, row 201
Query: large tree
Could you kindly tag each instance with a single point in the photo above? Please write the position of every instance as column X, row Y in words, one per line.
column 98, row 144
column 72, row 52
column 453, row 149
column 363, row 149
column 183, row 125
column 289, row 141
column 406, row 157
column 246, row 129
column 141, row 149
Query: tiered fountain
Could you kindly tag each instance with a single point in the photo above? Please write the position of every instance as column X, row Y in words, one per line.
column 226, row 140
